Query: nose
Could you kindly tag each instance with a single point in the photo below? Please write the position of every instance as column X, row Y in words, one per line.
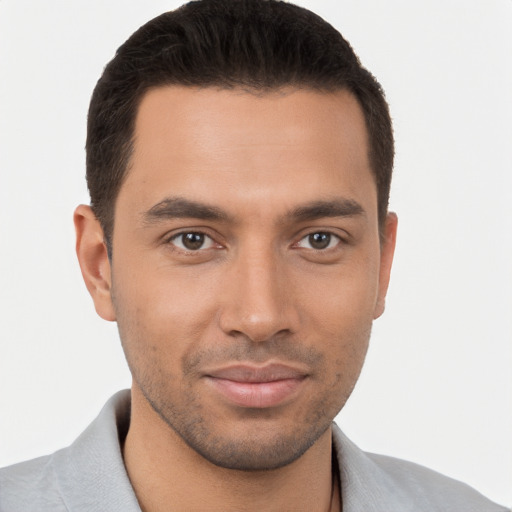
column 258, row 302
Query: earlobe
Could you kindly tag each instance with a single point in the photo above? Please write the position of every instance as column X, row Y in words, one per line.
column 93, row 258
column 387, row 250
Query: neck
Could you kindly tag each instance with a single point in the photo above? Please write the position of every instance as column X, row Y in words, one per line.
column 165, row 471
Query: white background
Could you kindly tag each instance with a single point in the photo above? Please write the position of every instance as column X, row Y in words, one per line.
column 437, row 386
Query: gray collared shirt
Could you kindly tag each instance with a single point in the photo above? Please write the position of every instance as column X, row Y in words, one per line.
column 90, row 476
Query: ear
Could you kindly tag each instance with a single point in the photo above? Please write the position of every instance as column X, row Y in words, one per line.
column 387, row 250
column 93, row 258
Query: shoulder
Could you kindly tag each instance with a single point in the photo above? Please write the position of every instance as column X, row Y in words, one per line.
column 30, row 486
column 432, row 489
column 89, row 475
column 374, row 482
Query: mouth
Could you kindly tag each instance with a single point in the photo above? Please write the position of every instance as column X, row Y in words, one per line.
column 257, row 386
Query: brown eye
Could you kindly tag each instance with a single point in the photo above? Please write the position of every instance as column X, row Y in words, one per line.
column 319, row 241
column 192, row 241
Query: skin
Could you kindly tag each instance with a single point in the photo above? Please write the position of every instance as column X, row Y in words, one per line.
column 251, row 179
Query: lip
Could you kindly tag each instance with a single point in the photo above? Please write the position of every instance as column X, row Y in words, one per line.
column 257, row 386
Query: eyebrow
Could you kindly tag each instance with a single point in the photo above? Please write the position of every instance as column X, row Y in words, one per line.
column 339, row 207
column 179, row 207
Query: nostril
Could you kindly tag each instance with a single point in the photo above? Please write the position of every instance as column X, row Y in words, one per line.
column 275, row 338
column 257, row 327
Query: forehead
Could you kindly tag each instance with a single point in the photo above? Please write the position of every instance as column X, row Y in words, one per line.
column 230, row 117
column 213, row 144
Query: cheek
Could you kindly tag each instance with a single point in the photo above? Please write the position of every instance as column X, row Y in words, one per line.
column 340, row 300
column 338, row 317
column 161, row 312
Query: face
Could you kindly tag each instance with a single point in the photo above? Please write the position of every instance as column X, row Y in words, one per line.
column 247, row 267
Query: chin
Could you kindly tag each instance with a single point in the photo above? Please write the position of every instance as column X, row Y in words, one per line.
column 251, row 453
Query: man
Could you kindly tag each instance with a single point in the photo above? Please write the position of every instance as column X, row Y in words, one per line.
column 239, row 162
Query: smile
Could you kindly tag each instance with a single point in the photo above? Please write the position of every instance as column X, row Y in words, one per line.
column 257, row 387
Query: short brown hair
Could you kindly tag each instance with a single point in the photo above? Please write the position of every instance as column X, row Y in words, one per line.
column 259, row 45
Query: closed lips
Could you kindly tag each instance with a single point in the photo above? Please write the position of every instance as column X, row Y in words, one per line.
column 253, row 387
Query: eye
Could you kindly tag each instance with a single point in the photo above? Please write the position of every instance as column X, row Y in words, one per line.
column 319, row 241
column 192, row 241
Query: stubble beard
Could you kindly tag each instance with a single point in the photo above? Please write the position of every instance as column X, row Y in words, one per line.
column 259, row 452
column 262, row 447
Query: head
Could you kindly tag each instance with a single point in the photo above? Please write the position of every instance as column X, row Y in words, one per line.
column 239, row 161
column 256, row 45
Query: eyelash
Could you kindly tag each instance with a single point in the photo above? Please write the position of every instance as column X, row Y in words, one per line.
column 172, row 241
column 331, row 237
